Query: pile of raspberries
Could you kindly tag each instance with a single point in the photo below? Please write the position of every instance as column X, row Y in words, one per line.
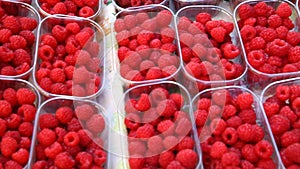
column 159, row 130
column 283, row 111
column 69, row 137
column 135, row 3
column 16, row 40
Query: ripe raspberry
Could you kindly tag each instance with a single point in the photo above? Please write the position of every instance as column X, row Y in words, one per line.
column 149, row 25
column 8, row 146
column 283, row 93
column 84, row 159
column 261, row 9
column 86, row 11
column 289, row 113
column 166, row 108
column 203, row 17
column 71, row 139
column 279, row 124
column 99, row 157
column 155, row 144
column 218, row 149
column 217, row 126
column 17, row 42
column 12, row 23
column 230, row 136
column 218, row 34
column 248, row 32
column 85, row 137
column 274, row 21
column 46, row 53
column 53, row 150
column 64, row 160
column 284, row 10
column 21, row 56
column 288, row 23
column 84, row 112
column 166, row 158
column 248, row 116
column 248, row 152
column 5, row 108
column 145, row 131
column 266, row 163
column 143, row 103
column 12, row 165
column 2, row 127
column 263, row 149
column 183, row 127
column 230, row 51
column 293, row 55
column 289, row 138
column 167, row 35
column 21, row 156
column 186, row 143
column 137, row 148
column 6, row 34
column 164, row 18
column 81, row 75
column 257, row 43
column 47, row 120
column 245, row 11
column 245, row 100
column 60, row 33
column 28, row 23
column 46, row 137
column 96, row 123
column 187, row 158
column 268, row 34
column 136, row 162
column 245, row 132
column 13, row 121
column 293, row 38
column 166, row 127
column 278, row 48
column 26, row 129
column 174, row 165
column 230, row 159
column 256, row 58
column 178, row 99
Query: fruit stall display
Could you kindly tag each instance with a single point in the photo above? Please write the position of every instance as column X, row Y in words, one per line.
column 134, row 84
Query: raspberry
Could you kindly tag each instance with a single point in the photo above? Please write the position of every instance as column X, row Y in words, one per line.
column 86, row 12
column 71, row 6
column 166, row 158
column 293, row 38
column 178, row 99
column 80, row 75
column 185, row 143
column 248, row 152
column 84, row 159
column 248, row 32
column 85, row 137
column 245, row 11
column 130, row 21
column 47, row 39
column 6, row 34
column 46, row 53
column 230, row 136
column 12, row 23
column 256, row 58
column 84, row 112
column 145, row 131
column 287, row 22
column 99, row 157
column 217, row 149
column 137, row 147
column 289, row 138
column 143, row 103
column 12, row 165
column 96, row 123
column 82, row 38
column 21, row 56
column 278, row 48
column 261, row 9
column 71, row 139
column 7, row 55
column 263, row 149
column 47, row 120
column 167, row 35
column 245, row 100
column 26, row 129
column 17, row 42
column 53, row 150
column 200, row 117
column 136, row 162
column 217, row 126
column 246, row 164
column 283, row 93
column 289, row 113
column 21, row 156
column 268, row 34
column 8, row 146
column 174, row 165
column 28, row 23
column 187, row 158
column 245, row 132
column 64, row 160
column 166, row 108
column 218, row 34
column 289, row 68
column 279, row 124
column 293, row 55
column 203, row 17
column 284, row 10
column 46, row 137
column 248, row 116
column 2, row 127
column 164, row 18
column 230, row 51
column 155, row 144
column 257, row 43
column 82, row 56
column 5, row 108
column 230, row 159
column 266, row 163
column 170, row 142
column 13, row 121
column 183, row 127
column 60, row 33
column 274, row 21
column 166, row 127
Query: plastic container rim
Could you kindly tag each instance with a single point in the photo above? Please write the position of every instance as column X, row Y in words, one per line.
column 119, row 8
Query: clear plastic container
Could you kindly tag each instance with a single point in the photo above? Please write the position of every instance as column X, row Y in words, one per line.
column 51, row 105
column 182, row 3
column 45, row 28
column 257, row 80
column 134, row 93
column 152, row 11
column 193, row 84
column 23, row 10
column 43, row 13
column 120, row 8
column 17, row 84
column 270, row 91
column 234, row 91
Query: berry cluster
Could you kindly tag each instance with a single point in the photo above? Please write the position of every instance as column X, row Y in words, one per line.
column 229, row 134
column 207, row 49
column 17, row 113
column 70, row 138
column 69, row 60
column 82, row 8
column 146, row 46
column 16, row 41
column 268, row 37
column 135, row 3
column 283, row 112
column 158, row 130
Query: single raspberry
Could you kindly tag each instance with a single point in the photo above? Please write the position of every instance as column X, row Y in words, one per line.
column 166, row 127
column 17, row 42
column 274, row 21
column 183, row 127
column 288, row 23
column 218, row 149
column 289, row 113
column 282, row 32
column 229, row 111
column 130, row 21
column 248, row 32
column 170, row 143
column 96, row 123
column 245, row 132
column 12, row 23
column 248, row 116
column 48, row 120
column 84, row 112
column 60, row 8
column 8, row 146
column 230, row 51
column 8, row 71
column 293, row 38
column 46, row 53
column 284, row 10
column 279, row 124
column 60, row 33
column 166, row 158
column 166, row 108
column 230, row 136
column 293, row 55
column 143, row 103
column 278, row 48
column 26, row 129
column 84, row 159
column 64, row 160
column 245, row 100
column 268, row 34
column 289, row 138
column 21, row 156
column 283, row 93
column 80, row 75
column 99, row 157
column 266, row 163
column 71, row 6
column 174, row 165
column 203, row 17
column 12, row 165
column 261, row 9
column 217, row 126
column 85, row 137
column 3, row 127
column 155, row 144
column 186, row 143
column 7, row 55
column 46, row 137
column 248, row 152
column 167, row 35
column 256, row 58
column 71, row 139
column 257, row 43
column 230, row 159
column 13, row 121
column 200, row 117
column 263, row 149
column 218, row 34
column 28, row 23
column 5, row 108
column 145, row 131
column 53, row 150
column 6, row 34
column 245, row 11
column 21, row 56
column 187, row 158
column 137, row 147
column 178, row 99
column 164, row 18
column 83, row 38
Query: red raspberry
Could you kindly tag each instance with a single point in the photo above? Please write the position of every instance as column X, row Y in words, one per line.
column 293, row 55
column 289, row 138
column 245, row 132
column 2, row 127
column 245, row 11
column 145, row 131
column 71, row 6
column 268, row 34
column 5, row 108
column 149, row 25
column 186, row 143
column 218, row 34
column 46, row 53
column 166, row 108
column 170, row 142
column 64, row 160
column 83, row 38
column 287, row 22
column 46, row 84
column 164, row 18
column 293, row 38
column 187, row 158
column 145, row 65
column 86, row 12
column 155, row 144
column 96, row 123
column 99, row 157
column 57, row 75
column 136, row 162
column 167, row 35
column 12, row 165
column 47, row 120
column 85, row 137
column 183, row 127
column 217, row 149
column 60, row 132
column 248, row 152
column 84, row 112
column 230, row 136
column 137, row 147
column 279, row 124
column 119, row 25
column 153, row 73
column 289, row 68
column 28, row 23
column 274, row 21
column 282, row 32
column 47, row 39
column 217, row 126
column 291, row 151
column 81, row 75
column 46, row 137
column 248, row 116
column 283, row 93
column 84, row 159
column 178, row 99
column 26, row 129
column 71, row 139
column 289, row 113
column 143, row 103
column 261, row 9
column 6, row 34
column 246, row 164
column 166, row 158
column 248, row 32
column 8, row 71
column 7, row 55
column 21, row 156
column 82, row 56
column 12, row 23
column 230, row 159
column 21, row 56
column 203, row 17
column 166, row 127
column 174, row 165
column 53, row 150
column 17, row 42
column 230, row 51
column 130, row 21
column 266, row 163
column 13, row 121
column 8, row 146
column 284, row 10
column 200, row 117
column 250, row 21
column 278, row 48
column 60, row 33
column 257, row 43
column 263, row 149
column 245, row 100
column 256, row 58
